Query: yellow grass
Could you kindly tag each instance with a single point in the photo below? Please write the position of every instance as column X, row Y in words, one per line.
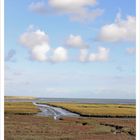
column 99, row 109
column 20, row 108
column 19, row 97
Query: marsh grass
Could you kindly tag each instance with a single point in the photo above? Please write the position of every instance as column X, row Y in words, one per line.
column 19, row 125
column 19, row 97
column 99, row 110
column 21, row 108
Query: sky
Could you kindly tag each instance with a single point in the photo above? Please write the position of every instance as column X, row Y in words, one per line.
column 70, row 49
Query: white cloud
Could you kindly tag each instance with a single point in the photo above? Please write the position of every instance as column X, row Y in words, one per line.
column 76, row 41
column 120, row 30
column 63, row 4
column 59, row 55
column 39, row 52
column 131, row 50
column 102, row 55
column 79, row 10
column 38, row 7
column 37, row 43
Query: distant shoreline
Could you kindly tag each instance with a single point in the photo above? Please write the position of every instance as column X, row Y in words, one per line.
column 72, row 100
column 19, row 97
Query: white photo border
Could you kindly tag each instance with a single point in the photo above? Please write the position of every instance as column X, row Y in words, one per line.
column 1, row 69
column 137, row 69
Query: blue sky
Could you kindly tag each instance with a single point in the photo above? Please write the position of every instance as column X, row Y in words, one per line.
column 63, row 48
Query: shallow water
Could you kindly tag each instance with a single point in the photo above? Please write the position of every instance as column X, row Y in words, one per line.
column 55, row 112
column 77, row 100
column 85, row 100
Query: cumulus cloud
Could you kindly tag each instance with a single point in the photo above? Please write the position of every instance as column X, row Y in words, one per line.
column 79, row 10
column 131, row 50
column 76, row 41
column 10, row 55
column 101, row 55
column 120, row 30
column 40, row 52
column 59, row 55
column 37, row 42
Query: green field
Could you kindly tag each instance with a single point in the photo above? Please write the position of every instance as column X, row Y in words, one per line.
column 99, row 110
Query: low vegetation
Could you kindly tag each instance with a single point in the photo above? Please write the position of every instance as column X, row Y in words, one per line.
column 99, row 110
column 20, row 108
column 22, row 124
column 19, row 97
column 31, row 127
